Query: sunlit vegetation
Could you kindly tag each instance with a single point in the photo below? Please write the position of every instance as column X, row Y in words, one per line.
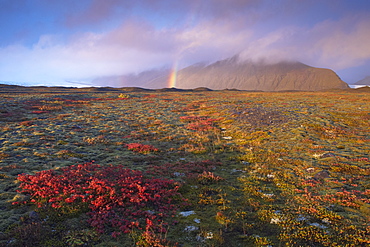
column 213, row 168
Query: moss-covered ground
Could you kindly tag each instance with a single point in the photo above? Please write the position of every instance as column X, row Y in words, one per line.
column 282, row 169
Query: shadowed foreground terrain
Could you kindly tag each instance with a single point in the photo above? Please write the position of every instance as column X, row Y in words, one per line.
column 184, row 168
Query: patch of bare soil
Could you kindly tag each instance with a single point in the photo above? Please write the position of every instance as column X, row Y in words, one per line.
column 258, row 116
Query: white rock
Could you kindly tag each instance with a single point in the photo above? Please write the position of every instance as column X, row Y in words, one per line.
column 191, row 228
column 275, row 221
column 227, row 137
column 326, row 220
column 317, row 156
column 209, row 235
column 301, row 218
column 236, row 170
column 186, row 213
column 318, row 225
column 179, row 174
column 310, row 169
column 199, row 238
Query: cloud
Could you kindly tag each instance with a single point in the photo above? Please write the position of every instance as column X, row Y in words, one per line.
column 132, row 47
column 95, row 11
column 343, row 44
column 140, row 35
column 332, row 44
column 209, row 41
column 201, row 31
column 58, row 63
column 272, row 47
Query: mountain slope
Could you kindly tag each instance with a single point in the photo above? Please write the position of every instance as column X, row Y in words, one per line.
column 365, row 81
column 231, row 73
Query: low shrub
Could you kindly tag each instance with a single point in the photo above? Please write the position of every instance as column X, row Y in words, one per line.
column 114, row 197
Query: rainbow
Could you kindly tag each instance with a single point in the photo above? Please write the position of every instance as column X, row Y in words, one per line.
column 173, row 76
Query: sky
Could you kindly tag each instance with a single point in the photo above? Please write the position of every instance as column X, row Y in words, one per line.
column 69, row 42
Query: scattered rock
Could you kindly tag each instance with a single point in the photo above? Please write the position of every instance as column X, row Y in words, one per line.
column 227, row 137
column 191, row 228
column 236, row 170
column 275, row 221
column 33, row 215
column 186, row 213
column 326, row 221
column 269, row 195
column 321, row 175
column 318, row 225
column 327, row 155
column 301, row 218
column 310, row 169
column 209, row 235
column 179, row 174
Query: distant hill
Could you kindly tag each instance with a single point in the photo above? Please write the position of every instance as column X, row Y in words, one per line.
column 363, row 82
column 247, row 75
column 234, row 74
column 230, row 74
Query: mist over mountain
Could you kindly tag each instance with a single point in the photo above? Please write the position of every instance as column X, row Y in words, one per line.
column 249, row 75
column 156, row 78
column 235, row 74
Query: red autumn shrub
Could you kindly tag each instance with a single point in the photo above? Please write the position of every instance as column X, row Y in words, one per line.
column 116, row 197
column 141, row 148
column 199, row 123
column 26, row 123
column 192, row 118
column 39, row 112
column 208, row 178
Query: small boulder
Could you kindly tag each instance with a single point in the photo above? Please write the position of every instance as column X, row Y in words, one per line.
column 322, row 175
